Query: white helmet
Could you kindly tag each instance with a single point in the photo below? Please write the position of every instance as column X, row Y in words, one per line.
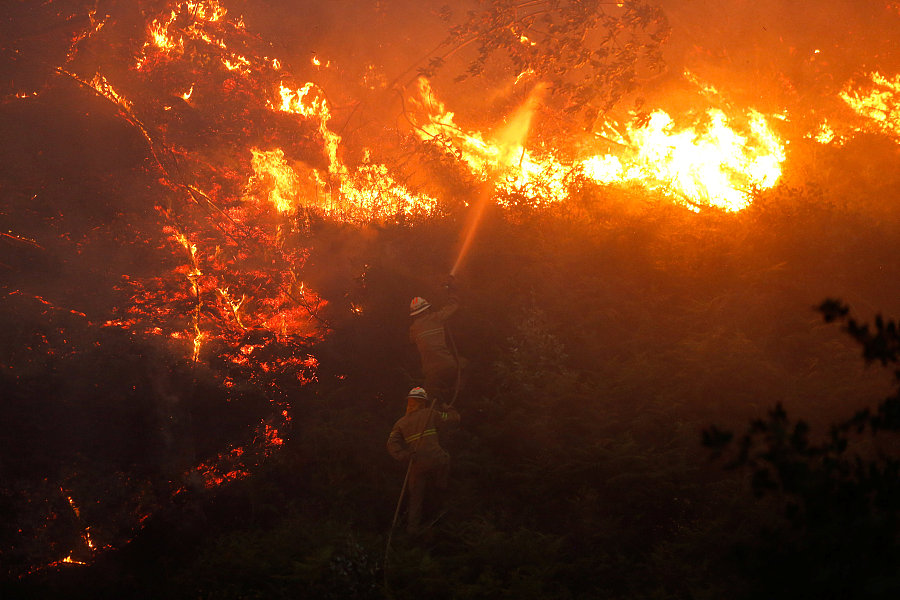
column 418, row 392
column 418, row 305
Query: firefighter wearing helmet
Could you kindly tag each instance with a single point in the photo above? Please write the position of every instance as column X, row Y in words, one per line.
column 415, row 438
column 427, row 331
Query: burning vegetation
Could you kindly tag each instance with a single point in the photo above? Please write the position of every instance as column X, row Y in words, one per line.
column 215, row 211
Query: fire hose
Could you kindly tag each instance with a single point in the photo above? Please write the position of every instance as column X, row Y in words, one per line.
column 409, row 465
column 406, row 477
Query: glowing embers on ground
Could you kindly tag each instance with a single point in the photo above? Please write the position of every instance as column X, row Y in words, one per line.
column 237, row 463
column 102, row 85
column 227, row 300
column 81, row 555
column 878, row 101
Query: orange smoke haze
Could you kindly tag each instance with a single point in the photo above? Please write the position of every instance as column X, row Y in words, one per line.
column 233, row 131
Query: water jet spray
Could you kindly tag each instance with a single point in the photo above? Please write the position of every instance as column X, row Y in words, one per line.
column 512, row 139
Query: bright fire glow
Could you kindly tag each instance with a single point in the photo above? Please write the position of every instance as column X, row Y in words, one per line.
column 710, row 163
column 224, row 303
column 825, row 134
column 272, row 171
column 309, row 101
column 879, row 103
column 369, row 192
column 103, row 86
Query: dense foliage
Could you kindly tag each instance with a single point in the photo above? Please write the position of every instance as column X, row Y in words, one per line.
column 605, row 336
column 603, row 339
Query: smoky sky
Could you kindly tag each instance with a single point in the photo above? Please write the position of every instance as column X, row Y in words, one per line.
column 748, row 47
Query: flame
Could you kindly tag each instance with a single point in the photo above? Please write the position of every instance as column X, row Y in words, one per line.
column 238, row 281
column 233, row 305
column 193, row 275
column 825, row 134
column 711, row 163
column 310, row 102
column 96, row 26
column 103, row 86
column 367, row 192
column 504, row 160
column 160, row 37
column 85, row 535
column 168, row 36
column 371, row 191
column 236, row 63
column 271, row 170
column 880, row 104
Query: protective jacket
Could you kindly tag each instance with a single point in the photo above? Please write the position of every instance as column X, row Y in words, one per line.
column 428, row 334
column 416, row 435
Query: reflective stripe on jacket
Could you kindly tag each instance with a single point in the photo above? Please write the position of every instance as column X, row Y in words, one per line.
column 416, row 433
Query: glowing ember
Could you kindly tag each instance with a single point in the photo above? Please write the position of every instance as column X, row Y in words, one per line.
column 103, row 86
column 825, row 134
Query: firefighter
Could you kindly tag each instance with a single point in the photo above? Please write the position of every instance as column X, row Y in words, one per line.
column 441, row 367
column 415, row 438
